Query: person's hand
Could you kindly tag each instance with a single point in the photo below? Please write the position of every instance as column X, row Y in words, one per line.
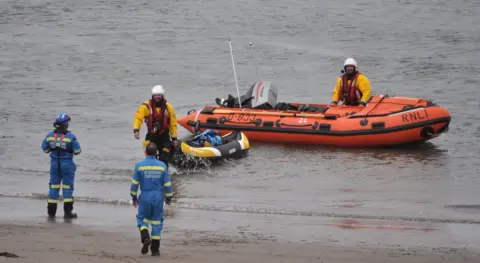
column 362, row 104
column 175, row 142
column 335, row 102
column 135, row 203
column 168, row 201
column 136, row 134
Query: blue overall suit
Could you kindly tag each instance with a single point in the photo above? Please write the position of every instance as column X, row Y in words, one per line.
column 62, row 146
column 154, row 181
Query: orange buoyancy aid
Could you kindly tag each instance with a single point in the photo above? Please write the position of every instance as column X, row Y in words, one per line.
column 157, row 123
column 350, row 94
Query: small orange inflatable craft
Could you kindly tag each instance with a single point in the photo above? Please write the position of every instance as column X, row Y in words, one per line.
column 386, row 120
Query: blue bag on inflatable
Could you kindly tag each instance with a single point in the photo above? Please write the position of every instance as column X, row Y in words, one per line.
column 207, row 138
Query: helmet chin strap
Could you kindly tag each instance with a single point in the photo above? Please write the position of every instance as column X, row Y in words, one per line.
column 350, row 73
column 158, row 102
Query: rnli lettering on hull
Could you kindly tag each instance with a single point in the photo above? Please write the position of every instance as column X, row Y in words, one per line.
column 414, row 116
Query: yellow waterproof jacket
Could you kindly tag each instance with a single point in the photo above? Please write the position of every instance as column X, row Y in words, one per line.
column 362, row 84
column 143, row 112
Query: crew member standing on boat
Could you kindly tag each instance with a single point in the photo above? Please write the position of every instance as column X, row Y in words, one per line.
column 62, row 145
column 353, row 88
column 161, row 122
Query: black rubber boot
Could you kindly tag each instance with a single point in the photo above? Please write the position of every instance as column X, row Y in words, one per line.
column 155, row 248
column 67, row 208
column 163, row 157
column 145, row 241
column 51, row 210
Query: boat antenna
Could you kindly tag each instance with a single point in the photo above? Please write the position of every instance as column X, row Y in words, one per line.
column 235, row 73
column 255, row 64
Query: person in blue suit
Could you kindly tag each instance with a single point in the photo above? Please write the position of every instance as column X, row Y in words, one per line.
column 151, row 175
column 62, row 145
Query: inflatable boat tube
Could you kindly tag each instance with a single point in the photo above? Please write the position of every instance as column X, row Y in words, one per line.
column 234, row 144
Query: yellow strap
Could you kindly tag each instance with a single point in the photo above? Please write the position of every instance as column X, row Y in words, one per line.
column 55, row 186
column 169, row 194
column 53, row 139
column 155, row 237
column 66, row 186
column 151, row 168
column 135, row 181
column 153, row 222
column 143, row 228
column 133, row 193
column 52, row 201
column 68, row 200
column 167, row 184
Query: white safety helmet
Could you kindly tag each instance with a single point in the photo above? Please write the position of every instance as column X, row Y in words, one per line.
column 350, row 62
column 158, row 90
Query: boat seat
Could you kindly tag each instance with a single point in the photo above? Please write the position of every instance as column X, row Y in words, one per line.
column 284, row 106
column 311, row 108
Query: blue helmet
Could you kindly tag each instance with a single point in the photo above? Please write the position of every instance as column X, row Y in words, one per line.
column 62, row 120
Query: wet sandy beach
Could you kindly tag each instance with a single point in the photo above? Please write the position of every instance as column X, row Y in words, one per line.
column 202, row 236
column 66, row 243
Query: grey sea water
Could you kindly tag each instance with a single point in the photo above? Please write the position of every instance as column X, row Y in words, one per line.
column 97, row 60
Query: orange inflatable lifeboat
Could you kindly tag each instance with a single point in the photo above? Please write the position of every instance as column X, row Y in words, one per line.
column 386, row 120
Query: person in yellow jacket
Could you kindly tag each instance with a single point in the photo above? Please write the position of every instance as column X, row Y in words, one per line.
column 161, row 122
column 353, row 88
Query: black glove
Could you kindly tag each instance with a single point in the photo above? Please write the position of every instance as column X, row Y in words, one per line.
column 168, row 200
column 174, row 143
column 335, row 102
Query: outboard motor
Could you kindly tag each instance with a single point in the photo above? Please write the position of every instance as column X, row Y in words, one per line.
column 264, row 95
column 261, row 95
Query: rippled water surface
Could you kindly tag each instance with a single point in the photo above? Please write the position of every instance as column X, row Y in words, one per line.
column 97, row 60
